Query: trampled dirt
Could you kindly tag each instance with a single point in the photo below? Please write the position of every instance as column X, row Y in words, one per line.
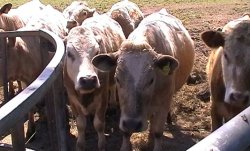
column 191, row 107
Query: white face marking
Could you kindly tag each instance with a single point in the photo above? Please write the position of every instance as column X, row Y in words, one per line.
column 229, row 90
column 136, row 67
column 80, row 66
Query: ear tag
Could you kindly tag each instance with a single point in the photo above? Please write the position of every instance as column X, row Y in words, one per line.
column 166, row 69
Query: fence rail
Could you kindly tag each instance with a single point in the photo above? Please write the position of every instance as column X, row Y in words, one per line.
column 232, row 136
column 15, row 110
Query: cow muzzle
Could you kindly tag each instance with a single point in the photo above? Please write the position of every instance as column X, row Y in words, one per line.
column 131, row 125
column 239, row 99
column 88, row 84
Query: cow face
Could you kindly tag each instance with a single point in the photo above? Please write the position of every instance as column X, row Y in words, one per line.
column 76, row 13
column 81, row 47
column 235, row 62
column 138, row 73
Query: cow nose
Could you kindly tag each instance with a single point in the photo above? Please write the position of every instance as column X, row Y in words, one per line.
column 239, row 97
column 132, row 125
column 88, row 82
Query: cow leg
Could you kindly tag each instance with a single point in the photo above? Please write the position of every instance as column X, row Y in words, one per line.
column 99, row 124
column 31, row 125
column 217, row 119
column 169, row 119
column 126, row 144
column 19, row 83
column 113, row 99
column 11, row 90
column 156, row 129
column 81, row 126
column 99, row 119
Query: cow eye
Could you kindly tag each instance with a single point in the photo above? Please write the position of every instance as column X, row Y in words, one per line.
column 117, row 80
column 150, row 82
column 71, row 56
column 225, row 56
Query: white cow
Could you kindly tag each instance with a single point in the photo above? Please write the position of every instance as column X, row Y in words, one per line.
column 77, row 12
column 87, row 87
column 127, row 14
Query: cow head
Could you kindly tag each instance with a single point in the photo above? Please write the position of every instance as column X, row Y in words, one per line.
column 81, row 47
column 139, row 75
column 235, row 60
column 76, row 13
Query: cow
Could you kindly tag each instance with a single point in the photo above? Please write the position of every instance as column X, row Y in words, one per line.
column 77, row 12
column 86, row 86
column 151, row 65
column 27, row 10
column 228, row 69
column 27, row 61
column 127, row 14
column 10, row 23
column 13, row 19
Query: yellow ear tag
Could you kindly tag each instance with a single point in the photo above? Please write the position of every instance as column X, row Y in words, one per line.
column 166, row 69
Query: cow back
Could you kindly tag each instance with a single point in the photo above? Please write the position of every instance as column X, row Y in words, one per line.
column 49, row 19
column 28, row 10
column 167, row 35
column 108, row 30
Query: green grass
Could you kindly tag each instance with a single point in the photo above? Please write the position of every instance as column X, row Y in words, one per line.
column 104, row 5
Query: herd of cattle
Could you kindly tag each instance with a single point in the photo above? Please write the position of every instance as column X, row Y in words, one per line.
column 143, row 60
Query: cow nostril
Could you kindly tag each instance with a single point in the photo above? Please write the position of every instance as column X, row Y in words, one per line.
column 93, row 79
column 83, row 80
column 239, row 97
column 132, row 125
column 88, row 82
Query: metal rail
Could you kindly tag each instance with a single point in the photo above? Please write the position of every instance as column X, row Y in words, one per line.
column 15, row 110
column 232, row 136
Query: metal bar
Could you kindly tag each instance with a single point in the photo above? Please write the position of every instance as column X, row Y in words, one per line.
column 60, row 106
column 232, row 136
column 8, row 147
column 17, row 137
column 19, row 33
column 4, row 67
column 20, row 105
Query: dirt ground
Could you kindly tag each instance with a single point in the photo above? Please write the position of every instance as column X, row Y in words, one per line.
column 191, row 107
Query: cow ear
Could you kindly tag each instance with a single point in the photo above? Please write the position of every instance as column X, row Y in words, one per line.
column 213, row 39
column 105, row 62
column 6, row 8
column 84, row 13
column 91, row 12
column 98, row 39
column 71, row 24
column 167, row 64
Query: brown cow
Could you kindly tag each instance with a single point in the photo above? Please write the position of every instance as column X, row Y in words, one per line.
column 151, row 65
column 13, row 19
column 88, row 88
column 27, row 61
column 10, row 23
column 127, row 14
column 76, row 13
column 228, row 69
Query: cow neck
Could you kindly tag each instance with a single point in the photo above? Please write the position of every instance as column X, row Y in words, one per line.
column 86, row 99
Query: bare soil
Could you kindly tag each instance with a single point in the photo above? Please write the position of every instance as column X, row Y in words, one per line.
column 191, row 107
